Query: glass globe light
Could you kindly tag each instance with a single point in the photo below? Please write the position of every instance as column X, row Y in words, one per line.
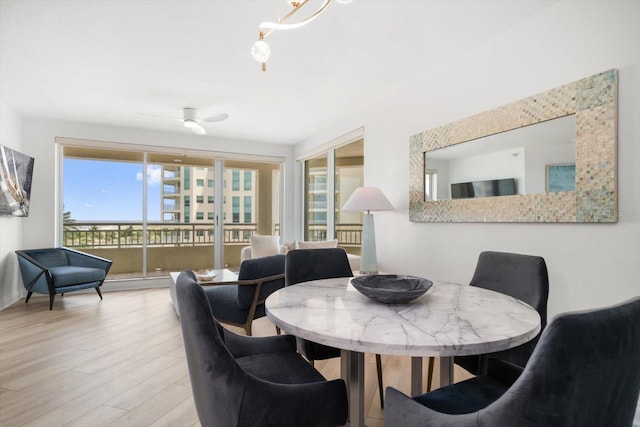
column 260, row 51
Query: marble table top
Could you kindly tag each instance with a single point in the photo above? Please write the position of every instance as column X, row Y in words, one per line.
column 450, row 319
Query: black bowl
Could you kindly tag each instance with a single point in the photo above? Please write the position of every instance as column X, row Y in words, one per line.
column 391, row 288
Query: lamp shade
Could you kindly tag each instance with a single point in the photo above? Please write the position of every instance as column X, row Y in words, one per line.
column 367, row 199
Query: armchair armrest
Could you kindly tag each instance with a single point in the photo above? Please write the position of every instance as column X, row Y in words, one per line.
column 32, row 270
column 240, row 345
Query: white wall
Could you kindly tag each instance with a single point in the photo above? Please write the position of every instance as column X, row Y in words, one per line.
column 590, row 265
column 10, row 227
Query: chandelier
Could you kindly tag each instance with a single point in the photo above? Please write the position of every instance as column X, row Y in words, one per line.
column 261, row 50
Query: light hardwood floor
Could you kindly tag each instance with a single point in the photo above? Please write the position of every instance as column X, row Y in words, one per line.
column 121, row 362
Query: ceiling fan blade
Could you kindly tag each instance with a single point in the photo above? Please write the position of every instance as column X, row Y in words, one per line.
column 216, row 118
column 198, row 130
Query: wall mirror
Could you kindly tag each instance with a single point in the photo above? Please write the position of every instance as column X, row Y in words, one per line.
column 547, row 158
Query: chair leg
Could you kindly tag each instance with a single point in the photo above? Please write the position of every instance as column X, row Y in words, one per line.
column 430, row 374
column 380, row 389
column 28, row 296
column 51, row 297
column 98, row 291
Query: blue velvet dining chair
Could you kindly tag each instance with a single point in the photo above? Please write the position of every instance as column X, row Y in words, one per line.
column 584, row 372
column 54, row 271
column 251, row 381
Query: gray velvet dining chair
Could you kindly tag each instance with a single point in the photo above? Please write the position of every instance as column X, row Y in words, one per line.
column 584, row 372
column 240, row 303
column 303, row 265
column 251, row 381
column 524, row 277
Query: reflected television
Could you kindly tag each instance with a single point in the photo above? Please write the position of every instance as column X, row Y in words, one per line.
column 488, row 188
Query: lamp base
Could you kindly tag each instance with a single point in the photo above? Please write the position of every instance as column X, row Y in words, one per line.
column 368, row 261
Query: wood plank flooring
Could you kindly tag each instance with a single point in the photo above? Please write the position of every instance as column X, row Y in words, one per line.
column 121, row 362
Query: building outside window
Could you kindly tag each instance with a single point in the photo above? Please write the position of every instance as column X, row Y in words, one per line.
column 235, row 180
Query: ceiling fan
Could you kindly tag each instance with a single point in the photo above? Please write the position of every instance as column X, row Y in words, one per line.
column 190, row 120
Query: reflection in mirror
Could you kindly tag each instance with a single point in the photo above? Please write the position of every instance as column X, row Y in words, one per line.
column 519, row 161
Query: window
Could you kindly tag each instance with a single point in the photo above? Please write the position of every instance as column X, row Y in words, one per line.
column 187, row 178
column 430, row 184
column 247, row 209
column 235, row 180
column 327, row 190
column 235, row 209
column 142, row 233
column 248, row 178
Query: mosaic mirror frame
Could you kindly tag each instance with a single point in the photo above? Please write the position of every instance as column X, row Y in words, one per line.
column 594, row 101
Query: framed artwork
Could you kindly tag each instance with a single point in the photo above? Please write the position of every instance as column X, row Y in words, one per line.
column 561, row 177
column 16, row 171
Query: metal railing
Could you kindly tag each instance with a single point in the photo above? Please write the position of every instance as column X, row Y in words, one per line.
column 81, row 234
column 127, row 234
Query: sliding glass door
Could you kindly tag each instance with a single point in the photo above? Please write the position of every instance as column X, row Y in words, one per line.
column 330, row 178
column 153, row 213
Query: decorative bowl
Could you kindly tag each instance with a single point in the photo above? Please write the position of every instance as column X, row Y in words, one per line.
column 205, row 275
column 391, row 288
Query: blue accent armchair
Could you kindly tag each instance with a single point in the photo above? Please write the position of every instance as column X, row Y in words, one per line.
column 59, row 270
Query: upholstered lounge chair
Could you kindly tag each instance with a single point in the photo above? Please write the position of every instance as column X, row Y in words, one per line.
column 251, row 381
column 239, row 303
column 58, row 270
column 585, row 371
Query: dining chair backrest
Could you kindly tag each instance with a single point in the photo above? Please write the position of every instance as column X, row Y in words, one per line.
column 303, row 265
column 584, row 372
column 257, row 268
column 524, row 277
column 216, row 378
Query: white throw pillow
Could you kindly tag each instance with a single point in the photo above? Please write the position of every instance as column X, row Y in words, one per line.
column 317, row 245
column 262, row 246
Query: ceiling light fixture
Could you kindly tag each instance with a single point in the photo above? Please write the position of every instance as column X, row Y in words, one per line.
column 261, row 50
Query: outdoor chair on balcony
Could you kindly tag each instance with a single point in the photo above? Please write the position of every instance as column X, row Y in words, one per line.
column 239, row 303
column 59, row 270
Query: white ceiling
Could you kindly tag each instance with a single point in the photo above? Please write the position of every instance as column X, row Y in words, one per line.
column 104, row 62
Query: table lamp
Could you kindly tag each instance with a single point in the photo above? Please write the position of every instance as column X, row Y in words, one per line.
column 368, row 199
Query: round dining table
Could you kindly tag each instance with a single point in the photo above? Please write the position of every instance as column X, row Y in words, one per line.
column 450, row 319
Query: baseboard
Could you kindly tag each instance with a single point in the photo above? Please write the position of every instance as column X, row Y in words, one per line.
column 109, row 286
column 8, row 300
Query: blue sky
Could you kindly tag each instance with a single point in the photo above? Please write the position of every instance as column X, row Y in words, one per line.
column 106, row 191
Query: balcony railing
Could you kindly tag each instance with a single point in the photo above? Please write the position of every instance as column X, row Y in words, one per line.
column 127, row 234
column 174, row 246
column 82, row 234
